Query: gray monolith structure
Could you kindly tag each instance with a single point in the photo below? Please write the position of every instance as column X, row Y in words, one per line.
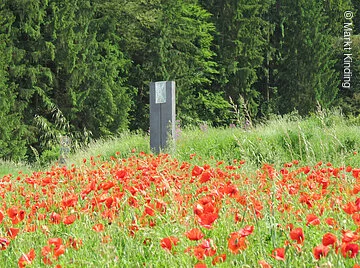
column 162, row 115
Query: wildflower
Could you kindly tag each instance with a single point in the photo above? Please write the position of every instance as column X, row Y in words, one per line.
column 329, row 239
column 55, row 218
column 320, row 251
column 69, row 219
column 168, row 242
column 349, row 250
column 278, row 254
column 264, row 264
column 349, row 236
column 26, row 259
column 219, row 259
column 13, row 232
column 194, row 234
column 98, row 227
column 312, row 219
column 197, row 171
column 298, row 235
column 4, row 243
column 236, row 243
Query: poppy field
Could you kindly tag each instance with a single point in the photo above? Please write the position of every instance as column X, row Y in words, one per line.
column 156, row 211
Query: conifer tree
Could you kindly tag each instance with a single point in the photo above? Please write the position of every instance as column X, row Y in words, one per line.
column 241, row 45
column 171, row 40
column 12, row 143
column 306, row 74
column 68, row 71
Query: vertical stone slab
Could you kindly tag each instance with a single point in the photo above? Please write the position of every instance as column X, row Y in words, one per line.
column 162, row 114
column 65, row 148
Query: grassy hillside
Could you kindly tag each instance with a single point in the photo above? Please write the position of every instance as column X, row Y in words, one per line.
column 327, row 137
column 125, row 208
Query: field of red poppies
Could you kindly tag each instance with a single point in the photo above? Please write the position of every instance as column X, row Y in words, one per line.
column 155, row 211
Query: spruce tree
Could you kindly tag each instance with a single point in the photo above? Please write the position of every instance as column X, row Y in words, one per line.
column 68, row 70
column 242, row 47
column 306, row 74
column 12, row 143
column 170, row 40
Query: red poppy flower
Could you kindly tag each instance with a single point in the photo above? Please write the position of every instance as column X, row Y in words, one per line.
column 55, row 241
column 74, row 243
column 320, row 251
column 298, row 235
column 98, row 227
column 247, row 230
column 13, row 212
column 219, row 259
column 194, row 234
column 207, row 219
column 4, row 243
column 208, row 246
column 59, row 251
column 312, row 219
column 120, row 174
column 205, row 176
column 278, row 254
column 236, row 243
column 289, row 226
column 199, row 253
column 69, row 201
column 264, row 264
column 197, row 171
column 13, row 232
column 356, row 218
column 168, row 242
column 26, row 259
column 330, row 221
column 55, row 218
column 349, row 250
column 149, row 210
column 200, row 265
column 356, row 172
column 69, row 219
column 349, row 236
column 109, row 201
column 350, row 208
column 45, row 251
column 107, row 185
column 329, row 239
column 47, row 260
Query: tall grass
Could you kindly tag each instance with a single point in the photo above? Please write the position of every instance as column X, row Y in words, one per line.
column 324, row 136
column 265, row 199
column 8, row 167
column 124, row 144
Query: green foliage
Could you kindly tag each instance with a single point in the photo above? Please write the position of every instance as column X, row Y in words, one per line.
column 240, row 44
column 172, row 42
column 349, row 98
column 68, row 70
column 356, row 6
column 334, row 10
column 306, row 65
column 82, row 68
column 11, row 129
column 325, row 136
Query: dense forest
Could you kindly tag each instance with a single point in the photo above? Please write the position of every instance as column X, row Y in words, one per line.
column 82, row 67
